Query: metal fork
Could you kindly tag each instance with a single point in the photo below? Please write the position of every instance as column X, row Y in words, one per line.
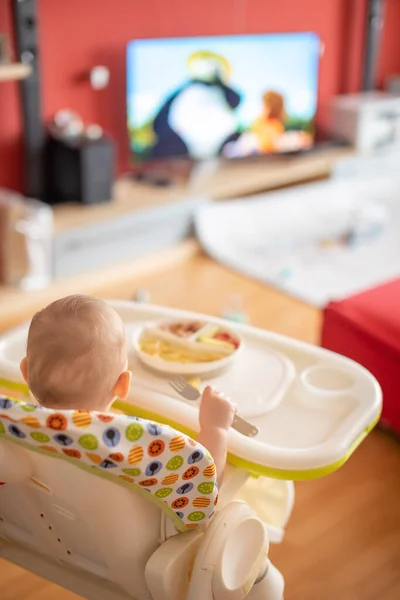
column 187, row 391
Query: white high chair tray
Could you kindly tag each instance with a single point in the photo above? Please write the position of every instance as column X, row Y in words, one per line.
column 312, row 407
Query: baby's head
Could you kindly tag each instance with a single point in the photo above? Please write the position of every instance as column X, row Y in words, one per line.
column 76, row 355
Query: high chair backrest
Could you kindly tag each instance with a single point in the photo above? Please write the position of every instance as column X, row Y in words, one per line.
column 72, row 510
column 76, row 519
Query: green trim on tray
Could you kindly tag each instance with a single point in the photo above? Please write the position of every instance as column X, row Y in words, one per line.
column 254, row 469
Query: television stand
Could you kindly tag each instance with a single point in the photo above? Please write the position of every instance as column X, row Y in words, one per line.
column 163, row 173
column 153, row 178
column 144, row 219
column 177, row 173
column 196, row 177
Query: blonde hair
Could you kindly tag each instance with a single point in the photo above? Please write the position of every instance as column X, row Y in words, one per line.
column 75, row 353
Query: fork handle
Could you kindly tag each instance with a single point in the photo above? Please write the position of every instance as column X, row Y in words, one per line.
column 244, row 427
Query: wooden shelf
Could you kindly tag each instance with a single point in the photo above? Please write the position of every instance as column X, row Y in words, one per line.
column 230, row 181
column 14, row 71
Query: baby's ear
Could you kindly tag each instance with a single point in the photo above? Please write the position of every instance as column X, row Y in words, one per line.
column 24, row 369
column 123, row 385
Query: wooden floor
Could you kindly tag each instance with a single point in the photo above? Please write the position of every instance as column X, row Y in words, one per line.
column 343, row 540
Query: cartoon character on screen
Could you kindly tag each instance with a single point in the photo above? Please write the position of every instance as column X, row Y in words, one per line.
column 269, row 126
column 198, row 118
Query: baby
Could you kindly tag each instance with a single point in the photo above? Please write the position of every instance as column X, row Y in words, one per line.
column 77, row 359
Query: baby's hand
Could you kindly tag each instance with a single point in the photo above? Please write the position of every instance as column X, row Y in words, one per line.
column 215, row 410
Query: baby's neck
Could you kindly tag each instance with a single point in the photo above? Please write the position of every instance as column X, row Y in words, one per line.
column 99, row 407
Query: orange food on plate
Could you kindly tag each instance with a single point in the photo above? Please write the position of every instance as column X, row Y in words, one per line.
column 183, row 329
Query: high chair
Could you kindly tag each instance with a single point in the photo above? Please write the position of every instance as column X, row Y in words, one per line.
column 88, row 518
column 130, row 511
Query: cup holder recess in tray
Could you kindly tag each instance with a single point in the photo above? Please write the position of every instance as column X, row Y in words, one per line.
column 327, row 381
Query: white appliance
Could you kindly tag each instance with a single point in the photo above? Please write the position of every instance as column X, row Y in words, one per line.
column 369, row 121
column 393, row 85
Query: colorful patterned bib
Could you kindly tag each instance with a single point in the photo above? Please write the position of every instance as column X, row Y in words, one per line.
column 166, row 466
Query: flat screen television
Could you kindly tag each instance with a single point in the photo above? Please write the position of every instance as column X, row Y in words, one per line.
column 229, row 96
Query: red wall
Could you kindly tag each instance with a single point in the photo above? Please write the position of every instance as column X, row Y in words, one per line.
column 10, row 125
column 390, row 51
column 76, row 35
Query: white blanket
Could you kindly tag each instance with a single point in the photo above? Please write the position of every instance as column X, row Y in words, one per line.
column 318, row 242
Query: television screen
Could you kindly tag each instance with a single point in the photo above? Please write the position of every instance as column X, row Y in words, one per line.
column 230, row 96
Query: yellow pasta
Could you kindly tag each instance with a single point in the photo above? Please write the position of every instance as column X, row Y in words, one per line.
column 171, row 352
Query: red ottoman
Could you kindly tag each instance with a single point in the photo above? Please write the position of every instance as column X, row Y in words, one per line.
column 366, row 328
